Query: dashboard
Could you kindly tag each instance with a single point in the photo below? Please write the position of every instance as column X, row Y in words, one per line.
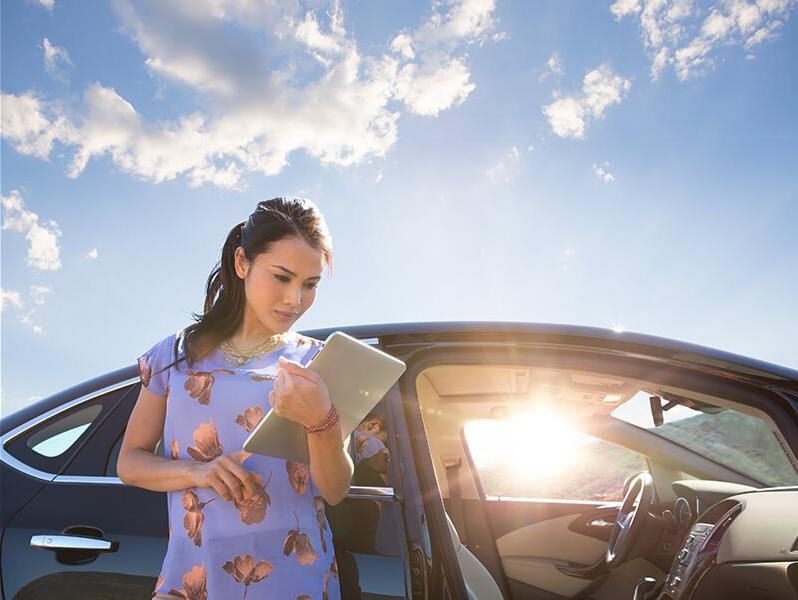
column 743, row 544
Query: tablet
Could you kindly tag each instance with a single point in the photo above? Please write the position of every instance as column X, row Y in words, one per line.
column 357, row 376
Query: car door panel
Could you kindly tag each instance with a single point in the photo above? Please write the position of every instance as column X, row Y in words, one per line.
column 532, row 553
column 135, row 519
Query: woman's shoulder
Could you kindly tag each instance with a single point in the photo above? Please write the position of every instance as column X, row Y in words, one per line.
column 154, row 364
column 168, row 343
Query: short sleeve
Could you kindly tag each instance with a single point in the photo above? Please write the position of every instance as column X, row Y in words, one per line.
column 153, row 366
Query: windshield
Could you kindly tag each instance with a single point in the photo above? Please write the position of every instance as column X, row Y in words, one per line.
column 742, row 442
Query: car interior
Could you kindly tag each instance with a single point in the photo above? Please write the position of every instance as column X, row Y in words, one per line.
column 573, row 483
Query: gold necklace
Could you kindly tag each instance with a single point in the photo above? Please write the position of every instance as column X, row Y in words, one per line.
column 239, row 358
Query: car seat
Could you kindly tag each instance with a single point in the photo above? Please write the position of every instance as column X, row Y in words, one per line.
column 478, row 581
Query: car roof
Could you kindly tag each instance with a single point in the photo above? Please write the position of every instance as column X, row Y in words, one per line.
column 542, row 335
column 562, row 334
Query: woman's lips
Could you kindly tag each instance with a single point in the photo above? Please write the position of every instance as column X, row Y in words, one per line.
column 285, row 315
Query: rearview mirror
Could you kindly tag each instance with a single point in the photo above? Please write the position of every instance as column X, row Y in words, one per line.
column 656, row 410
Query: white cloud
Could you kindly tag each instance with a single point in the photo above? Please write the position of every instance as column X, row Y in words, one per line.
column 601, row 88
column 621, row 8
column 91, row 254
column 43, row 248
column 48, row 4
column 247, row 64
column 504, row 170
column 554, row 64
column 24, row 122
column 27, row 319
column 687, row 35
column 403, row 44
column 603, row 174
column 567, row 257
column 464, row 19
column 10, row 298
column 553, row 67
column 323, row 45
column 429, row 88
column 438, row 80
column 38, row 293
column 56, row 60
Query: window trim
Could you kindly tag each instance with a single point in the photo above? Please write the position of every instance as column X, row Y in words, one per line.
column 18, row 465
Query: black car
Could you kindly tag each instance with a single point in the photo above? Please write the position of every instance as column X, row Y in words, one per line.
column 521, row 461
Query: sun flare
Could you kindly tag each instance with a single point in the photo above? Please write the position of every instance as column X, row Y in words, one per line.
column 537, row 444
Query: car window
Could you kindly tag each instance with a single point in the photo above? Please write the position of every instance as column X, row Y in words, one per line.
column 60, row 435
column 541, row 457
column 369, row 533
column 50, row 444
column 368, row 448
column 742, row 442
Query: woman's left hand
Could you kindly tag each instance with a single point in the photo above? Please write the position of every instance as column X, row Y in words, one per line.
column 299, row 394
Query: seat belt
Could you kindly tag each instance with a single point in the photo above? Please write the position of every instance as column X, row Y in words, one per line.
column 452, row 465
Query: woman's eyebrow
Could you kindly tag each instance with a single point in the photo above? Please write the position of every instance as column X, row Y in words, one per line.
column 290, row 272
column 287, row 270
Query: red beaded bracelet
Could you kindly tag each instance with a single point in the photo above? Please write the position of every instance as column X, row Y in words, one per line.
column 327, row 423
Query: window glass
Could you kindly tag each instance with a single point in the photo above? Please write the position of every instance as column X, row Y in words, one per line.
column 369, row 450
column 59, row 436
column 540, row 456
column 369, row 534
column 739, row 441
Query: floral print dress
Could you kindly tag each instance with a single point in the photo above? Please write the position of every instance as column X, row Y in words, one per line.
column 274, row 544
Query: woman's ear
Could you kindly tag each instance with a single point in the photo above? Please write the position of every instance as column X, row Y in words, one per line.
column 241, row 263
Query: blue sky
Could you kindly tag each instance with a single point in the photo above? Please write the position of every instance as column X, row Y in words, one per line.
column 627, row 163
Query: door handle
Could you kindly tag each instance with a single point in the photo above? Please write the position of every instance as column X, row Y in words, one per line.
column 62, row 541
column 601, row 523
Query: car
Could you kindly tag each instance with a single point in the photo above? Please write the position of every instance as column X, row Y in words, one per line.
column 520, row 461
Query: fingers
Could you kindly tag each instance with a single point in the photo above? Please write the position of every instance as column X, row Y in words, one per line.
column 272, row 399
column 240, row 456
column 229, row 479
column 245, row 479
column 294, row 368
column 218, row 485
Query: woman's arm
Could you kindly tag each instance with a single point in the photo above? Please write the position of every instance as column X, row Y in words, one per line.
column 330, row 466
column 139, row 465
column 300, row 395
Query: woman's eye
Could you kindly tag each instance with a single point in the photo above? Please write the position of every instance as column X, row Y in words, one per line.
column 312, row 286
column 282, row 278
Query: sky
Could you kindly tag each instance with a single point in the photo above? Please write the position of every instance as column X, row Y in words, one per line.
column 625, row 164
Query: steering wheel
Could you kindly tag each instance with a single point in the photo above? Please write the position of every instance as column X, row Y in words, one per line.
column 631, row 516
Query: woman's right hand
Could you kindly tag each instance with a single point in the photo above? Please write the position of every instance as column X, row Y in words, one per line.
column 226, row 476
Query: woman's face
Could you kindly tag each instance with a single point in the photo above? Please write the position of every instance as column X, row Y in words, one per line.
column 280, row 285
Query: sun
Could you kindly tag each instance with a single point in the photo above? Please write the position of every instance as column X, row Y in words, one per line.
column 533, row 445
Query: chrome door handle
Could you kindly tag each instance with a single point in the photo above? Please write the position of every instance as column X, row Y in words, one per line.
column 601, row 523
column 61, row 541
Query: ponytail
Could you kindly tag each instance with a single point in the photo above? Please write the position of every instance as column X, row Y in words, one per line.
column 224, row 303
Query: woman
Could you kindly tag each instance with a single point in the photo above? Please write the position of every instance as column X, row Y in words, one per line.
column 241, row 523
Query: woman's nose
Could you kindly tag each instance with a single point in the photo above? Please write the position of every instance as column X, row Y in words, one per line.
column 293, row 297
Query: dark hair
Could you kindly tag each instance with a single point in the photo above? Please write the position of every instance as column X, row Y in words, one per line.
column 223, row 309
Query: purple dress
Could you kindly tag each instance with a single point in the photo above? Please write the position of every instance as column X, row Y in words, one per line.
column 276, row 543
